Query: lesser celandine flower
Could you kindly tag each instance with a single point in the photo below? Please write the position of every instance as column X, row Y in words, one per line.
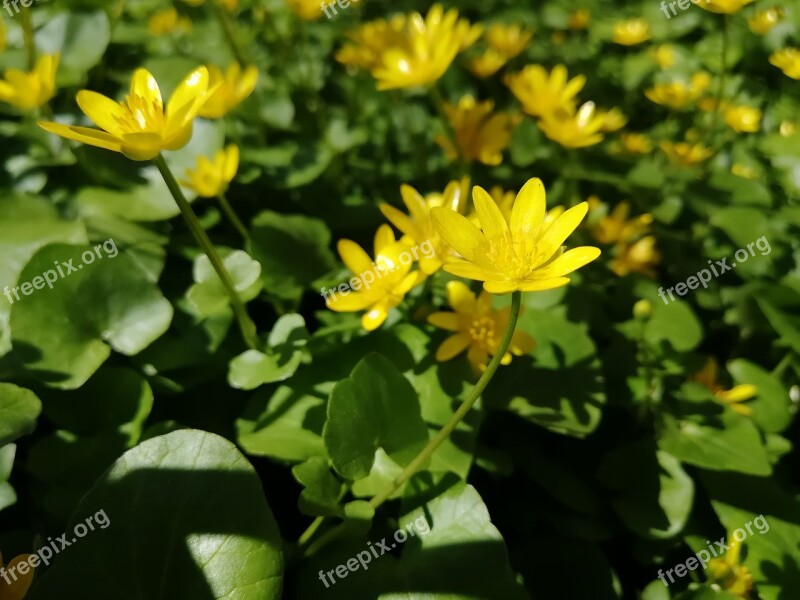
column 30, row 90
column 417, row 225
column 521, row 255
column 636, row 143
column 168, row 21
column 542, row 93
column 725, row 7
column 709, row 377
column 631, row 32
column 308, row 10
column 685, row 154
column 229, row 89
column 418, row 52
column 578, row 19
column 480, row 134
column 508, row 40
column 728, row 573
column 139, row 127
column 613, row 120
column 664, row 55
column 640, row 256
column 477, row 328
column 679, row 94
column 505, row 202
column 367, row 43
column 574, row 129
column 210, row 178
column 764, row 20
column 383, row 283
column 616, row 227
column 743, row 119
column 487, row 64
column 788, row 61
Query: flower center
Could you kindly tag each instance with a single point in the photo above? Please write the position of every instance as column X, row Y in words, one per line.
column 482, row 330
column 141, row 116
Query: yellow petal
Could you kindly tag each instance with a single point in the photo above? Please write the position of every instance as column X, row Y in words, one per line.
column 384, row 238
column 460, row 297
column 231, row 163
column 463, row 236
column 375, row 317
column 415, row 203
column 742, row 409
column 561, row 230
column 145, row 85
column 527, row 214
column 492, row 221
column 354, row 257
column 349, row 301
column 501, row 287
column 445, row 320
column 568, row 262
column 740, row 393
column 522, row 343
column 399, row 220
column 478, row 358
column 452, row 346
column 141, row 146
column 189, row 93
column 84, row 135
column 19, row 586
column 247, row 83
column 104, row 112
column 544, row 284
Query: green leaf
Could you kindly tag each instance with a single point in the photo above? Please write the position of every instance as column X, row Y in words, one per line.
column 376, row 407
column 104, row 303
column 187, row 519
column 675, row 323
column 8, row 496
column 208, row 296
column 80, row 37
column 19, row 409
column 321, row 489
column 726, row 442
column 773, row 409
column 293, row 252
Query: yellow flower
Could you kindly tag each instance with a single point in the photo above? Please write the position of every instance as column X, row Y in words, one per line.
column 787, row 129
column 639, row 257
column 139, row 127
column 764, row 20
column 417, row 226
column 729, row 574
column 574, row 129
column 307, row 10
column 487, row 64
column 788, row 61
column 615, row 227
column 481, row 134
column 743, row 119
column 636, row 143
column 664, row 55
column 578, row 19
column 523, row 254
column 508, row 40
column 708, row 376
column 541, row 93
column 743, row 171
column 631, row 32
column 417, row 52
column 726, row 7
column 380, row 285
column 31, row 90
column 678, row 94
column 505, row 202
column 210, row 178
column 229, row 89
column 686, row 154
column 18, row 586
column 168, row 21
column 613, row 120
column 477, row 328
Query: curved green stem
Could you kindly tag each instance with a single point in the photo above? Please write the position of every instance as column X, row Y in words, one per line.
column 232, row 216
column 722, row 74
column 444, row 433
column 27, row 34
column 229, row 30
column 246, row 324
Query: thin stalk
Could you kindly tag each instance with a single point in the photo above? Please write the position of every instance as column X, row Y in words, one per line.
column 229, row 30
column 437, row 440
column 723, row 72
column 232, row 216
column 246, row 324
column 27, row 35
column 439, row 104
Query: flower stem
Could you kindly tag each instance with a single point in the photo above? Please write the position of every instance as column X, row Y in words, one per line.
column 723, row 71
column 439, row 104
column 437, row 440
column 232, row 216
column 27, row 34
column 229, row 30
column 246, row 324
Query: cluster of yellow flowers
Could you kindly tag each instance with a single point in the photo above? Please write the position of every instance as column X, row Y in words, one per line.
column 634, row 248
column 503, row 42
